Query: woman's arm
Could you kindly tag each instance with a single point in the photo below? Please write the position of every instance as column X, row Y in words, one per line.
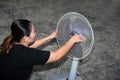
column 41, row 41
column 61, row 52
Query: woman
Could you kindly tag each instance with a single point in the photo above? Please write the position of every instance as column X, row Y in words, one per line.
column 19, row 53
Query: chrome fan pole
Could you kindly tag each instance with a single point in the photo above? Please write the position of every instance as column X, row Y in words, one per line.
column 73, row 70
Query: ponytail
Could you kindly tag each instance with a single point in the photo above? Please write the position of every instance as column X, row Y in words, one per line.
column 6, row 45
column 19, row 29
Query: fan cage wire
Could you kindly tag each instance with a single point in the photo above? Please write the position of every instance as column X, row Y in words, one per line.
column 84, row 19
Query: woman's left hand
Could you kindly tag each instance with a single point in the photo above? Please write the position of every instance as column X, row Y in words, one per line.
column 53, row 35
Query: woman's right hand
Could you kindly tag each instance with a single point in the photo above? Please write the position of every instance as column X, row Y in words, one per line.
column 76, row 38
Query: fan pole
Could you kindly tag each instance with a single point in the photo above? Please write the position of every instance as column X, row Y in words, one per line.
column 73, row 70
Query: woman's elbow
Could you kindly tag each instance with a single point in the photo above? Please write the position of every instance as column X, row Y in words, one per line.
column 54, row 56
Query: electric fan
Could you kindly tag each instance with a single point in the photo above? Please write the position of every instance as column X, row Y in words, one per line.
column 69, row 24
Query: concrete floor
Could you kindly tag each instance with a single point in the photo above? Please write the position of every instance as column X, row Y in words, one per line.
column 103, row 63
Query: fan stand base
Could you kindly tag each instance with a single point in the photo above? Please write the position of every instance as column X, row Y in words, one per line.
column 62, row 76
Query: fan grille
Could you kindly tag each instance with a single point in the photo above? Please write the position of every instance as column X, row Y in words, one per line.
column 75, row 22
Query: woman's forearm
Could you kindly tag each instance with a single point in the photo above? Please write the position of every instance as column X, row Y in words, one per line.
column 61, row 52
column 64, row 49
column 39, row 42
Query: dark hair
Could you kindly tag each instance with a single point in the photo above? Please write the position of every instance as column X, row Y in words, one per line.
column 19, row 29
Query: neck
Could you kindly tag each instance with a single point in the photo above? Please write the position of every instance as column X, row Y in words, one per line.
column 26, row 45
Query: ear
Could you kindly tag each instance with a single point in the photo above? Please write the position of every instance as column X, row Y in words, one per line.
column 25, row 39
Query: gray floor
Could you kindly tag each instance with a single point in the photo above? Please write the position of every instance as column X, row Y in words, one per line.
column 104, row 15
